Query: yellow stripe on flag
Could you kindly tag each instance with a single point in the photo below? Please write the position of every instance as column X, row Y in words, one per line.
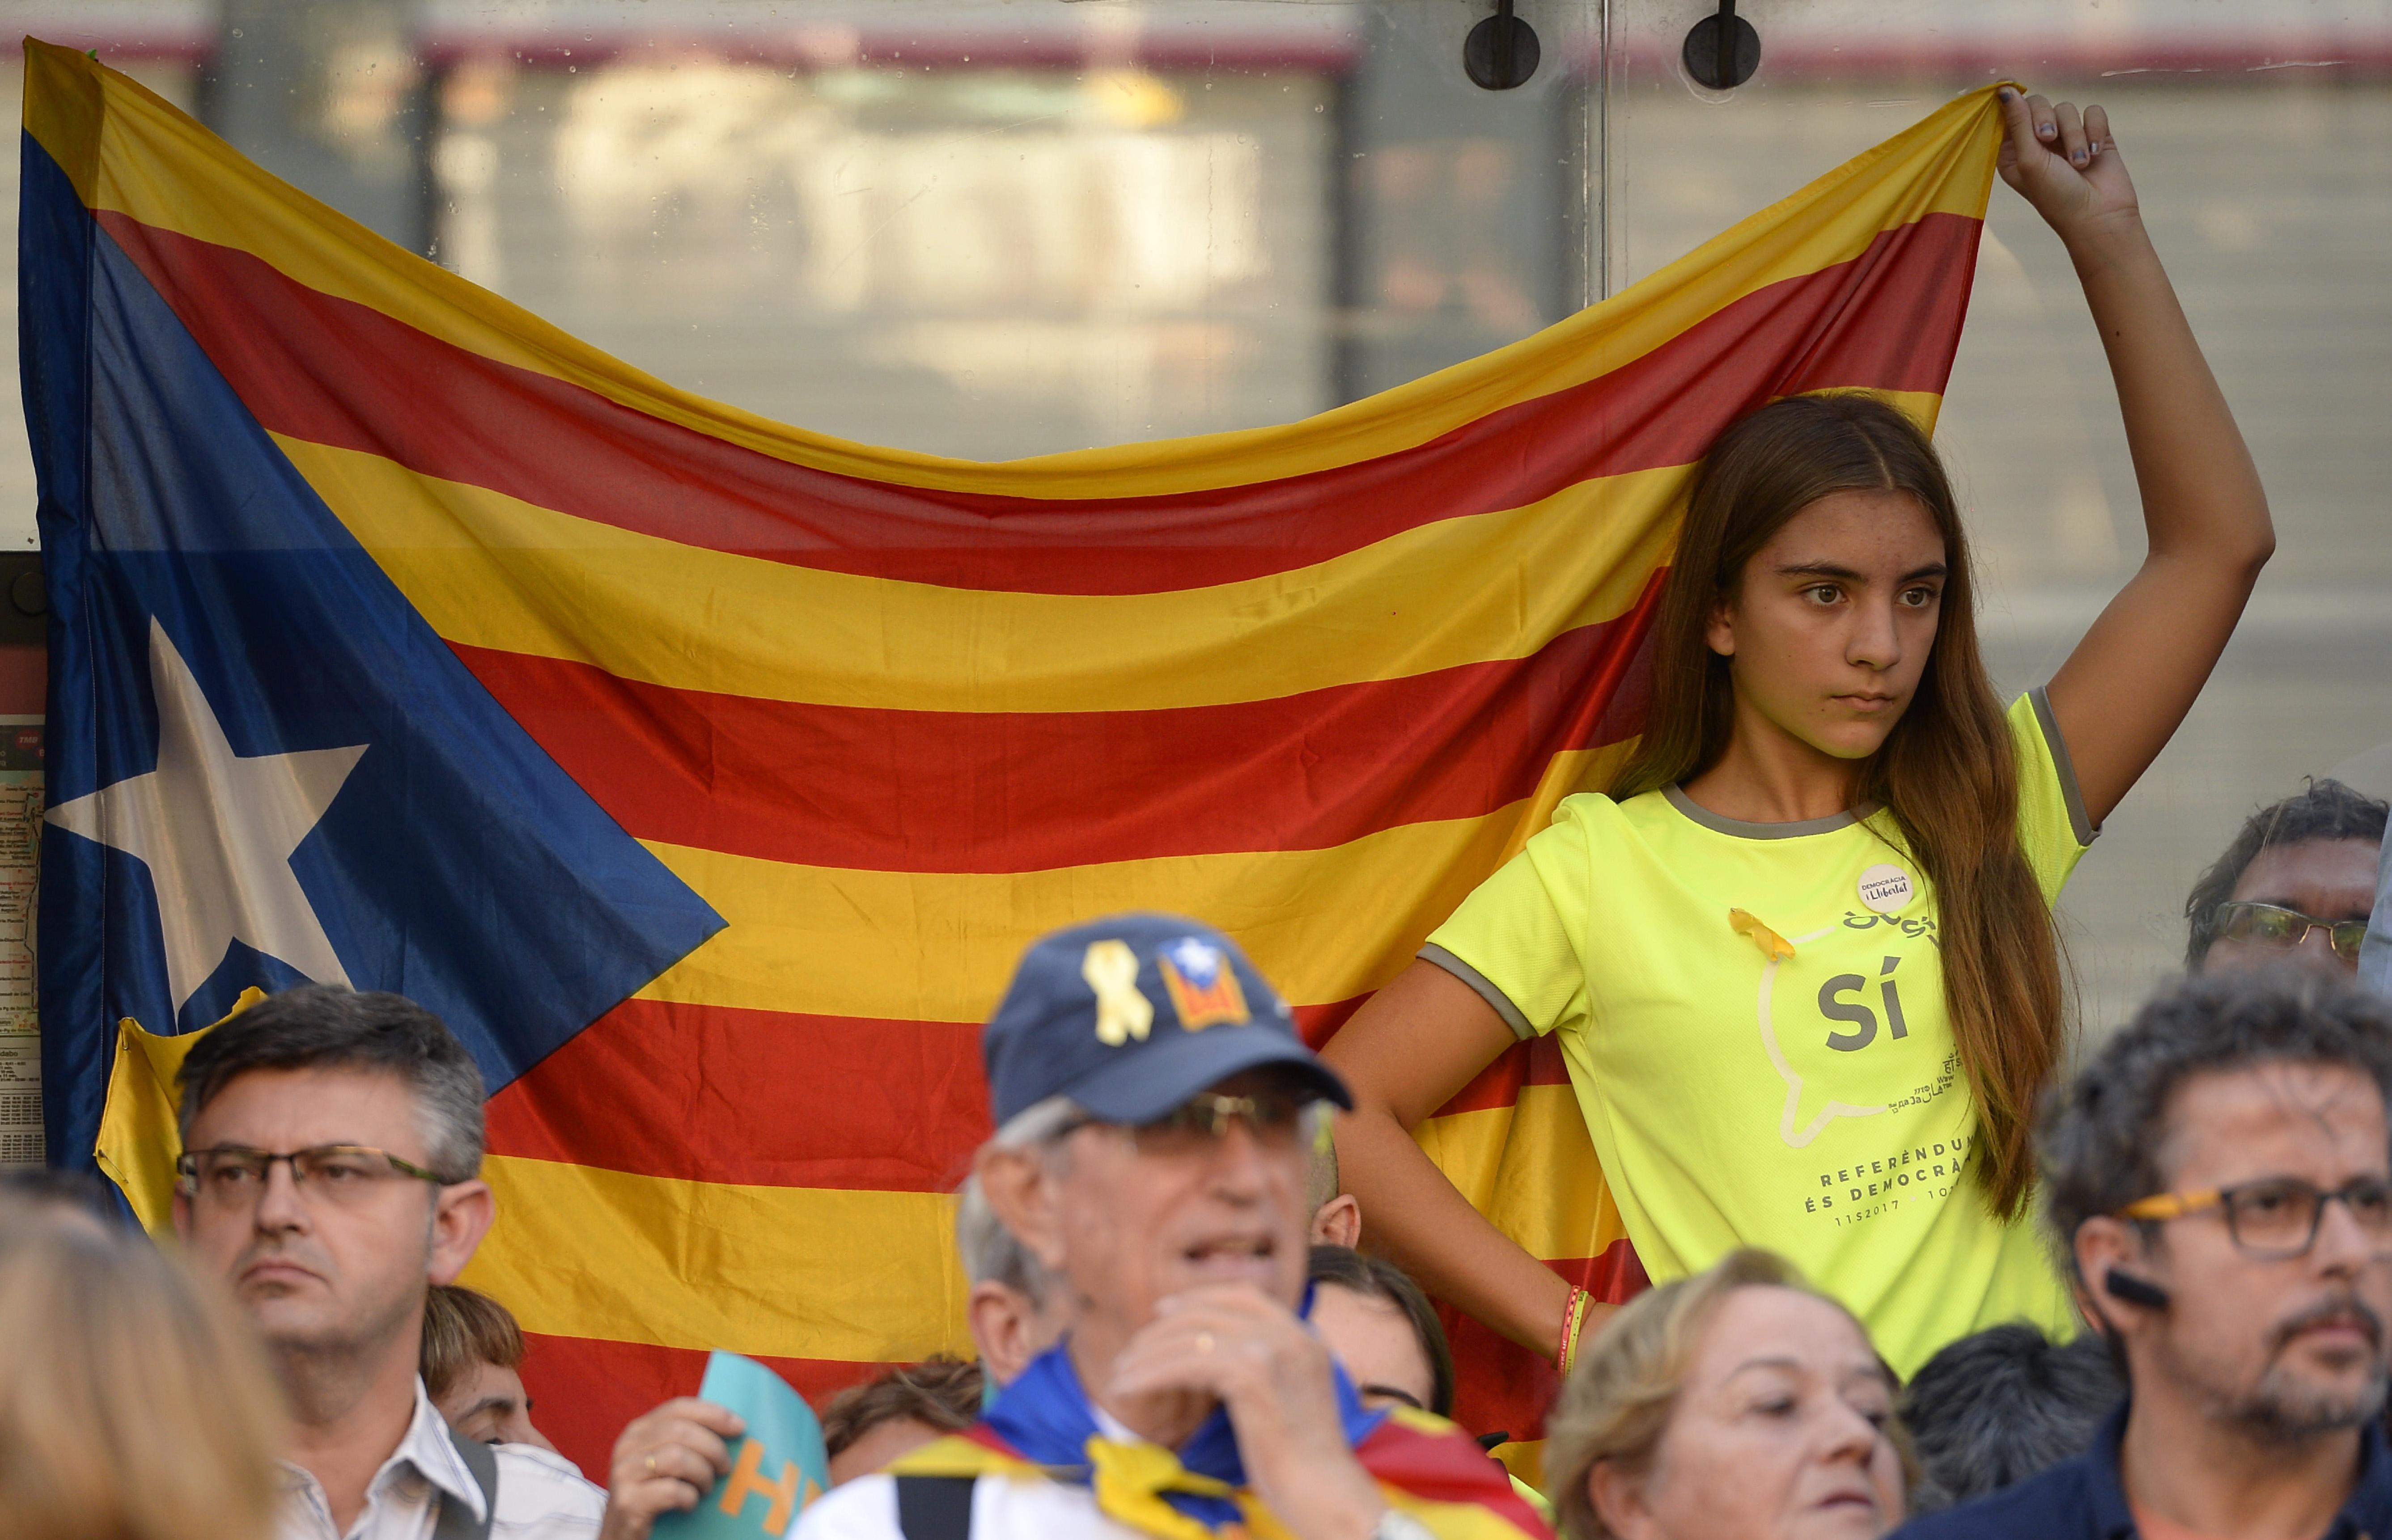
column 938, row 946
column 782, row 1272
column 157, row 166
column 488, row 570
column 140, row 1127
column 1563, row 1210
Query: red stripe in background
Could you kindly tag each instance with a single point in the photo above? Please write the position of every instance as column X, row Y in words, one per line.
column 1536, row 1062
column 1502, row 1387
column 334, row 371
column 1445, row 1468
column 940, row 791
column 760, row 1098
column 584, row 1390
column 779, row 1099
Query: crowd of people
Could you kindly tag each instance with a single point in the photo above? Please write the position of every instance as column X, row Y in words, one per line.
column 2143, row 1296
column 1161, row 1260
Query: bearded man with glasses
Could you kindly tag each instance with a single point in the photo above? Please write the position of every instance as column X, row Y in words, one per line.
column 2221, row 1178
column 1156, row 1115
column 332, row 1145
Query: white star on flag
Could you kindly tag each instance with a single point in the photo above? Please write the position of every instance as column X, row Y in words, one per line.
column 217, row 830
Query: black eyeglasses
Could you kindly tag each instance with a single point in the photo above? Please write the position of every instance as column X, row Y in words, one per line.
column 2277, row 1218
column 2274, row 925
column 231, row 1176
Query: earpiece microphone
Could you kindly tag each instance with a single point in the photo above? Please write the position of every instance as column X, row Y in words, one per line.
column 2134, row 1290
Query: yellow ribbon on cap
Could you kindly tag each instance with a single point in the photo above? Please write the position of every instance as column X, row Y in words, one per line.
column 1123, row 1011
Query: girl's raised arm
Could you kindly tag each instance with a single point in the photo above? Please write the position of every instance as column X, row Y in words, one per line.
column 2122, row 692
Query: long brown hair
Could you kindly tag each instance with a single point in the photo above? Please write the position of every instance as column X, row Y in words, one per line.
column 1946, row 772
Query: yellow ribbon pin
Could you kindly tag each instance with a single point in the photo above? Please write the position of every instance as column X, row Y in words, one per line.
column 1775, row 948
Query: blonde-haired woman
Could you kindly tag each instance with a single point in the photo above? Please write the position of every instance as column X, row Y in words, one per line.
column 133, row 1404
column 1735, row 1405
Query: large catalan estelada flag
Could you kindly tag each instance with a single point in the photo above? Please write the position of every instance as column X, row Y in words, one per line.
column 707, row 775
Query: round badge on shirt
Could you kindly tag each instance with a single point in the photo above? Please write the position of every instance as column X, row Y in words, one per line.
column 1886, row 888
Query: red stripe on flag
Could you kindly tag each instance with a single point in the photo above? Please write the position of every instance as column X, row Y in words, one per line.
column 1502, row 1387
column 779, row 1099
column 1536, row 1062
column 760, row 1098
column 333, row 371
column 584, row 1390
column 1445, row 1468
column 958, row 791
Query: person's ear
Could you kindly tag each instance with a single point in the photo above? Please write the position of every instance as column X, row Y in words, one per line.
column 182, row 1210
column 1020, row 1192
column 1618, row 1500
column 1000, row 1328
column 461, row 1215
column 1338, row 1222
column 2102, row 1243
column 1719, row 625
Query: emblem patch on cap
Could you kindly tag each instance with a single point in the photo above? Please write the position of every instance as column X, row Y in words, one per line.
column 1123, row 1011
column 1204, row 987
column 1886, row 888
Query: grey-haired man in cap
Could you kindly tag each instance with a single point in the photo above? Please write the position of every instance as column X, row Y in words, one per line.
column 1155, row 1113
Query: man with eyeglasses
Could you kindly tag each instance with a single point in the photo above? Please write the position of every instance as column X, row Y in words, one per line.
column 2295, row 886
column 1155, row 1113
column 331, row 1144
column 2221, row 1178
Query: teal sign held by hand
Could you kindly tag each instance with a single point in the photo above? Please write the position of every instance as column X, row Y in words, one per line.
column 776, row 1469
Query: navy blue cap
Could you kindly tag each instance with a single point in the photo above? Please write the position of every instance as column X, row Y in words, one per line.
column 1131, row 1016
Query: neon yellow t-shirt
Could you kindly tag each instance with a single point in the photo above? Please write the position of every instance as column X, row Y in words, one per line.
column 1815, row 1105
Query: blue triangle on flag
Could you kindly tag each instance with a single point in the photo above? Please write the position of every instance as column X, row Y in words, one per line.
column 456, row 863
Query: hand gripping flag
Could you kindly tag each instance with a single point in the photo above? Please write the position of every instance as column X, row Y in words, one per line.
column 707, row 775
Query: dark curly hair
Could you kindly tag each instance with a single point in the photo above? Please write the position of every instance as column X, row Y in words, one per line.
column 2325, row 809
column 2002, row 1405
column 2102, row 1135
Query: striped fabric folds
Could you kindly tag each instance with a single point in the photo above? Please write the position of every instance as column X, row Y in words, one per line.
column 892, row 716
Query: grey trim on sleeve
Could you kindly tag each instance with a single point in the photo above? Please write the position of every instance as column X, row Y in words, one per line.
column 1432, row 952
column 2080, row 824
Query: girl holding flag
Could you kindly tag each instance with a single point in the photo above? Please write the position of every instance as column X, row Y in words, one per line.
column 1801, row 960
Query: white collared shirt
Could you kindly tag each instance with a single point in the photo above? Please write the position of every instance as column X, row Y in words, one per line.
column 541, row 1497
